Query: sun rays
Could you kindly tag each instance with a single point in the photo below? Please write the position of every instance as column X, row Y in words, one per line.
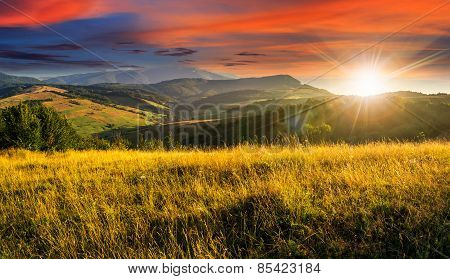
column 367, row 82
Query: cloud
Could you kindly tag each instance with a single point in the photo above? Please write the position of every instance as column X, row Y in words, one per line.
column 31, row 12
column 175, row 52
column 14, row 66
column 11, row 54
column 137, row 51
column 233, row 64
column 49, row 58
column 298, row 37
column 245, row 53
column 132, row 51
column 247, row 61
column 58, row 47
column 131, row 67
column 187, row 61
column 90, row 63
column 125, row 43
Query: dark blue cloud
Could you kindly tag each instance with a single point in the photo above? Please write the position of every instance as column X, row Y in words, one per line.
column 69, row 46
column 246, row 53
column 132, row 51
column 11, row 54
column 175, row 52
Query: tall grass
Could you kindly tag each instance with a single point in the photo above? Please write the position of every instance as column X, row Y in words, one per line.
column 367, row 201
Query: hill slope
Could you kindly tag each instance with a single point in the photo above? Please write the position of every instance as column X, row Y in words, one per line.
column 244, row 97
column 86, row 115
column 8, row 79
column 195, row 89
column 323, row 118
column 118, row 94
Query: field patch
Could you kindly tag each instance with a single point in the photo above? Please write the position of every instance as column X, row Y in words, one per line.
column 86, row 116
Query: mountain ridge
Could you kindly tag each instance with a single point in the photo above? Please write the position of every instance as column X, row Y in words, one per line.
column 140, row 76
column 10, row 79
column 194, row 89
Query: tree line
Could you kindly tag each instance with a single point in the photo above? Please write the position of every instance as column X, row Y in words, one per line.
column 33, row 126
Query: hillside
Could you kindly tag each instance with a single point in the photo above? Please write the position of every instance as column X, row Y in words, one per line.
column 245, row 97
column 118, row 94
column 9, row 80
column 87, row 116
column 141, row 76
column 329, row 118
column 193, row 89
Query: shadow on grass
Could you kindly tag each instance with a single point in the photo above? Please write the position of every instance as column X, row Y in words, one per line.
column 260, row 226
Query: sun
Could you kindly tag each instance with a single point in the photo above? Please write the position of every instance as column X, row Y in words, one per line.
column 368, row 82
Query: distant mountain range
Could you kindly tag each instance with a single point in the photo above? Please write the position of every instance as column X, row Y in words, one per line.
column 101, row 107
column 197, row 88
column 185, row 90
column 140, row 76
column 7, row 79
column 193, row 90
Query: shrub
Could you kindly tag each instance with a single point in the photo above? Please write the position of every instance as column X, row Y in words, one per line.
column 317, row 133
column 120, row 143
column 35, row 127
column 151, row 144
column 95, row 143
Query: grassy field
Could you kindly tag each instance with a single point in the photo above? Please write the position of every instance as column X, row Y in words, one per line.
column 339, row 201
column 87, row 117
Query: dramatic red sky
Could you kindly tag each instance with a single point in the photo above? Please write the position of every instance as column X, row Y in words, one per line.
column 303, row 38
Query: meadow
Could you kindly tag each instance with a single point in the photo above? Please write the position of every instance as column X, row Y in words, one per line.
column 86, row 116
column 377, row 200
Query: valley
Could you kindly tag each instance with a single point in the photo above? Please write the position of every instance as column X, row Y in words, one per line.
column 229, row 111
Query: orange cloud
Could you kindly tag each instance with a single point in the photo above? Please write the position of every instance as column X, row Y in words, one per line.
column 285, row 28
column 299, row 37
column 382, row 16
column 30, row 12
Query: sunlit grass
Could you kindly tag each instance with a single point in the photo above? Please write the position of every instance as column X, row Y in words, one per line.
column 375, row 200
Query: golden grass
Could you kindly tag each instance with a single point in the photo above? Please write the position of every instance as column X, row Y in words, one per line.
column 374, row 200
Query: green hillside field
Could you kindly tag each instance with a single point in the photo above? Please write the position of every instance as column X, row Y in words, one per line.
column 88, row 116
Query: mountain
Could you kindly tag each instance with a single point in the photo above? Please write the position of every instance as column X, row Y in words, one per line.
column 189, row 90
column 141, row 76
column 410, row 94
column 8, row 79
column 244, row 97
column 101, row 107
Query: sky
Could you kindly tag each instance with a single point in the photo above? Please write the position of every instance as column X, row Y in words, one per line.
column 332, row 44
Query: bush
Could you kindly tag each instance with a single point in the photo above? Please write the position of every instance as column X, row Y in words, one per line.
column 35, row 127
column 317, row 134
column 95, row 143
column 151, row 144
column 120, row 143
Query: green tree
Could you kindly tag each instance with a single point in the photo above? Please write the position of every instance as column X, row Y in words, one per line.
column 317, row 133
column 35, row 127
